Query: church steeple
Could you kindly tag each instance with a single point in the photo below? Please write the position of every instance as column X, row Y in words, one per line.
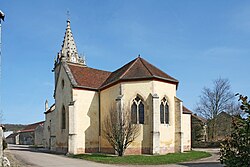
column 69, row 50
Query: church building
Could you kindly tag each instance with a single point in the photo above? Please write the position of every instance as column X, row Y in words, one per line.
column 85, row 95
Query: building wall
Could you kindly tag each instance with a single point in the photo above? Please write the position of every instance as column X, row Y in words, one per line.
column 27, row 138
column 143, row 143
column 17, row 139
column 220, row 127
column 46, row 130
column 63, row 97
column 167, row 131
column 13, row 139
column 86, row 124
column 186, row 129
column 49, row 131
column 107, row 103
column 145, row 89
column 38, row 140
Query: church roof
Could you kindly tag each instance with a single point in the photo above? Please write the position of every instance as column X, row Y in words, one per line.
column 186, row 110
column 87, row 77
column 138, row 69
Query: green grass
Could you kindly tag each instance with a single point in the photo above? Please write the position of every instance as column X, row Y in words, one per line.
column 144, row 159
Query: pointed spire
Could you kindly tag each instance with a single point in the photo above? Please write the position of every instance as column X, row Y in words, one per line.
column 69, row 50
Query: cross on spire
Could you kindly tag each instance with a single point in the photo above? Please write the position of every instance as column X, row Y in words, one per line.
column 68, row 15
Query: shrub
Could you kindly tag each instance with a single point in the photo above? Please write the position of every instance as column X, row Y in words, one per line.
column 235, row 151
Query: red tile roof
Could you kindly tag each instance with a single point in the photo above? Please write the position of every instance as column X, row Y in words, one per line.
column 88, row 77
column 32, row 127
column 186, row 110
column 138, row 69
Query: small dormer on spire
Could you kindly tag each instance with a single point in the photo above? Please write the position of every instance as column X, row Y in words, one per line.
column 69, row 51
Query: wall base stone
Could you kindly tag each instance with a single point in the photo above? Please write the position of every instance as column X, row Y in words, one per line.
column 187, row 147
column 91, row 150
column 166, row 150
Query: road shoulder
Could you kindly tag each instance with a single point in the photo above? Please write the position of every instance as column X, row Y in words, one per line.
column 14, row 162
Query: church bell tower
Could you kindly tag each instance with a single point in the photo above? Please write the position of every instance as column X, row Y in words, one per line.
column 69, row 52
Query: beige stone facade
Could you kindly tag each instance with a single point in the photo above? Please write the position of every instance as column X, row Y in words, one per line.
column 84, row 96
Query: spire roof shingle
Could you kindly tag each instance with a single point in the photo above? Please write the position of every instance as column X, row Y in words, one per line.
column 69, row 49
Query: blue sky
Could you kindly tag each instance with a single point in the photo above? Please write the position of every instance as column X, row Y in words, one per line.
column 193, row 41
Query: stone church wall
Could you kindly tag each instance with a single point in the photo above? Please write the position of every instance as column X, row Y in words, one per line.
column 167, row 131
column 63, row 97
column 86, row 108
column 142, row 144
column 145, row 89
column 108, row 102
column 186, row 129
column 49, row 131
column 38, row 140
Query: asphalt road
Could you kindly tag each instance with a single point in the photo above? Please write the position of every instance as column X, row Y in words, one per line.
column 31, row 158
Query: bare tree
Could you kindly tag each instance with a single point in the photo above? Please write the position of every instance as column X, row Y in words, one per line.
column 234, row 109
column 214, row 101
column 119, row 130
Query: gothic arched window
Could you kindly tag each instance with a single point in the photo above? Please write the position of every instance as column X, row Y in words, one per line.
column 137, row 111
column 63, row 118
column 164, row 111
column 134, row 113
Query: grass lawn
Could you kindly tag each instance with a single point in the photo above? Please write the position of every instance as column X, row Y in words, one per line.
column 144, row 159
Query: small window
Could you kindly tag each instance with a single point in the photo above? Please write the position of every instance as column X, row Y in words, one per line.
column 164, row 111
column 63, row 83
column 137, row 111
column 63, row 118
